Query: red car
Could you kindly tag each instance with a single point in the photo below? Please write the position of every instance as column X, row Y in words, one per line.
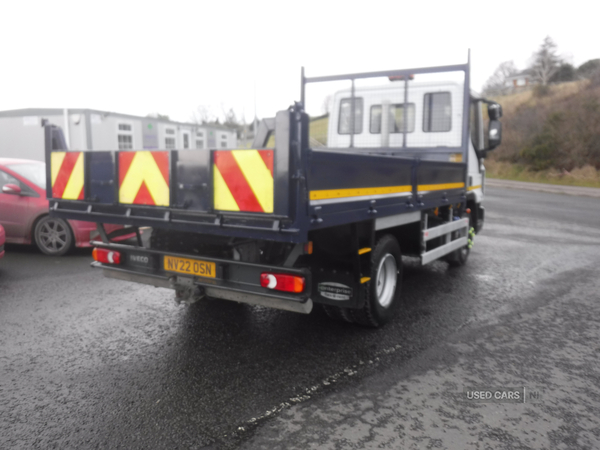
column 1, row 241
column 24, row 211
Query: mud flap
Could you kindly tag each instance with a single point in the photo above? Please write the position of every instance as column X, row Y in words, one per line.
column 339, row 288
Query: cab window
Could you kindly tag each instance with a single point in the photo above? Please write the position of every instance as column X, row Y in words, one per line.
column 397, row 118
column 437, row 112
column 344, row 124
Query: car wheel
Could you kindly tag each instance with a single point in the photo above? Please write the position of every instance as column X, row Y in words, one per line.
column 383, row 291
column 53, row 236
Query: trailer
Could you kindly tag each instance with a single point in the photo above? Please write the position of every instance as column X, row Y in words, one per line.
column 288, row 224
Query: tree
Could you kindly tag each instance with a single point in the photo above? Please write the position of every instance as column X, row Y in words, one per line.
column 496, row 84
column 588, row 68
column 230, row 118
column 203, row 115
column 565, row 72
column 545, row 62
column 231, row 121
column 326, row 106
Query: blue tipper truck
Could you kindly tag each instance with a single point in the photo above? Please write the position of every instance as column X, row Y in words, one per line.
column 302, row 220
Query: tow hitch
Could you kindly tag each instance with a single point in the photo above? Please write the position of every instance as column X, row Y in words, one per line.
column 185, row 290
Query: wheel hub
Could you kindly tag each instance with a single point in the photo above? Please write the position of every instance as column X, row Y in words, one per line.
column 54, row 236
column 387, row 274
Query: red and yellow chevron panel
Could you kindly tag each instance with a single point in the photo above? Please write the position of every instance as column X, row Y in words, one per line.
column 67, row 175
column 144, row 178
column 243, row 180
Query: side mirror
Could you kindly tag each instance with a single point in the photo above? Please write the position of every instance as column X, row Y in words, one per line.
column 11, row 189
column 494, row 111
column 495, row 134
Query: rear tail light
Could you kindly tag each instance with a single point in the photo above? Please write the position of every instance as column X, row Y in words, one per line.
column 281, row 282
column 106, row 256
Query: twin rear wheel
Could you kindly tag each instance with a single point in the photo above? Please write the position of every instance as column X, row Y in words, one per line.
column 382, row 294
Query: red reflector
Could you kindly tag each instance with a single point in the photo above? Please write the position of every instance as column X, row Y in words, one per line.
column 281, row 282
column 106, row 256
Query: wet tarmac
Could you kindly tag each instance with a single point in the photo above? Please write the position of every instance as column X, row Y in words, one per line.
column 89, row 362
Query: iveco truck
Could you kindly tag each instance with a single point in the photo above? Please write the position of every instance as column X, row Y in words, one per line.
column 296, row 221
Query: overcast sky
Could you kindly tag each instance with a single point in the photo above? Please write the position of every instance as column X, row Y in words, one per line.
column 139, row 57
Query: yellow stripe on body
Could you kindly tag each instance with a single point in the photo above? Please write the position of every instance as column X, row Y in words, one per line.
column 472, row 188
column 75, row 183
column 143, row 168
column 439, row 187
column 359, row 192
column 222, row 197
column 56, row 160
column 257, row 175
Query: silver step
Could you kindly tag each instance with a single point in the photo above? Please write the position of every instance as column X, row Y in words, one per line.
column 450, row 246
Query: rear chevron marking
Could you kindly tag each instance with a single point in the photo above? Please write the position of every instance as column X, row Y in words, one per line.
column 143, row 196
column 66, row 170
column 125, row 159
column 144, row 178
column 223, row 198
column 267, row 157
column 257, row 175
column 236, row 182
column 74, row 187
column 162, row 161
column 56, row 160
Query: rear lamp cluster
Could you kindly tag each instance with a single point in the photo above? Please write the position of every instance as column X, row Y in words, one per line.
column 282, row 282
column 269, row 280
column 105, row 256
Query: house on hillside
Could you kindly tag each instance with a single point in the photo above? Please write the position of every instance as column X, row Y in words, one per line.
column 520, row 80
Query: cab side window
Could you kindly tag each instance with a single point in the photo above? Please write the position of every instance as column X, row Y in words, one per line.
column 345, row 120
column 437, row 112
column 396, row 120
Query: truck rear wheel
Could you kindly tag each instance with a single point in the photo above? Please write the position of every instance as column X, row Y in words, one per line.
column 383, row 290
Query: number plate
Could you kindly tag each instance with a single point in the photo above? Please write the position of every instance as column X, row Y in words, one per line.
column 190, row 266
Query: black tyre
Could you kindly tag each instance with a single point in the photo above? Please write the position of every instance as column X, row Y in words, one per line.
column 460, row 256
column 383, row 290
column 53, row 236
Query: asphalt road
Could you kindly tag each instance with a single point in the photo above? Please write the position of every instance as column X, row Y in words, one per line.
column 87, row 362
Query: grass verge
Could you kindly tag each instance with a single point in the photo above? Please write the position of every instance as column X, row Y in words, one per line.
column 587, row 176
